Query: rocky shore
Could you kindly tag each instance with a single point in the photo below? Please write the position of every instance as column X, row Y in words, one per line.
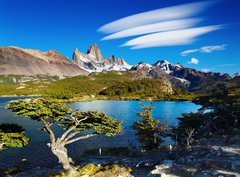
column 214, row 157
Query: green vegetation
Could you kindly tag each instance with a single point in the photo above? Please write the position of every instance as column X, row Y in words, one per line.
column 155, row 89
column 104, row 170
column 142, row 88
column 91, row 123
column 148, row 129
column 109, row 85
column 12, row 135
column 81, row 86
column 92, row 170
column 25, row 85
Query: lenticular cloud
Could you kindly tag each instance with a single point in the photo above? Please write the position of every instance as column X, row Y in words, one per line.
column 168, row 26
column 163, row 14
column 156, row 27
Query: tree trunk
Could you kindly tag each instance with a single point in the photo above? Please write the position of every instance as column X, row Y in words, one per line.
column 1, row 146
column 60, row 151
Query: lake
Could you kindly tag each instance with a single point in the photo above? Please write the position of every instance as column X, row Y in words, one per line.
column 37, row 152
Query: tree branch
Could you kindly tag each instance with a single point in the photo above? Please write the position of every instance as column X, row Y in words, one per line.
column 75, row 119
column 67, row 131
column 1, row 146
column 71, row 135
column 47, row 128
column 80, row 138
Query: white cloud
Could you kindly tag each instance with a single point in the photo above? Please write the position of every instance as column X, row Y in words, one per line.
column 170, row 38
column 154, row 16
column 186, row 52
column 156, row 27
column 176, row 42
column 205, row 49
column 210, row 49
column 170, row 26
column 193, row 61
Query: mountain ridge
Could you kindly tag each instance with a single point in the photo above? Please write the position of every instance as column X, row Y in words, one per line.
column 19, row 61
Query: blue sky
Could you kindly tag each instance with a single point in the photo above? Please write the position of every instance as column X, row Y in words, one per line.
column 64, row 25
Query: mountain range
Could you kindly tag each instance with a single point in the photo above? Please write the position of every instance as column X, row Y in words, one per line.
column 18, row 61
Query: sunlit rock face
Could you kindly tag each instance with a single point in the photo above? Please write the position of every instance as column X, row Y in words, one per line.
column 18, row 61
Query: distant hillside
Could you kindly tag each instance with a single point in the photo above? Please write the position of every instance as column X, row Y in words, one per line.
column 104, row 85
column 139, row 88
column 17, row 61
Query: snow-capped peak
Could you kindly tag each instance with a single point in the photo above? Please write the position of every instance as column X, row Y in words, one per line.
column 166, row 66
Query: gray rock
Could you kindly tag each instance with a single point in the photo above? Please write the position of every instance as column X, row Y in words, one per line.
column 165, row 164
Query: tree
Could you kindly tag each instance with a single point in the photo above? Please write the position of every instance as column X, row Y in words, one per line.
column 48, row 112
column 148, row 129
column 12, row 135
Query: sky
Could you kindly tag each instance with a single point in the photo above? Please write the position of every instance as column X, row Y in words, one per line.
column 199, row 34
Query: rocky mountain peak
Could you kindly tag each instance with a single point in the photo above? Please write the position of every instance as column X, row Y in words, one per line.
column 95, row 52
column 92, row 61
column 166, row 66
column 76, row 50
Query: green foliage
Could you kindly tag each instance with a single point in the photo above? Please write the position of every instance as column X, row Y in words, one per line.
column 104, row 170
column 97, row 121
column 40, row 109
column 142, row 88
column 148, row 129
column 89, row 169
column 80, row 86
column 12, row 135
column 51, row 111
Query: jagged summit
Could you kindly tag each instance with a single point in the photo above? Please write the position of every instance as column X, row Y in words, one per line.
column 167, row 66
column 95, row 52
column 92, row 61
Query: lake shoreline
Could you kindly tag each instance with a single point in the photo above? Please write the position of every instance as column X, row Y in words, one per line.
column 89, row 98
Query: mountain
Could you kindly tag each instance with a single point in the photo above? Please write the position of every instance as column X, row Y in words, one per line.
column 18, row 61
column 167, row 67
column 92, row 61
column 180, row 76
column 236, row 74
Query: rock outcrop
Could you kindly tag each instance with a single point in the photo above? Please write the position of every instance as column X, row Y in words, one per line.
column 92, row 61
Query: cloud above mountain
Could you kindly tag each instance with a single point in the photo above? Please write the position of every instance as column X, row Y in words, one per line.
column 193, row 61
column 170, row 26
column 205, row 49
column 169, row 38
